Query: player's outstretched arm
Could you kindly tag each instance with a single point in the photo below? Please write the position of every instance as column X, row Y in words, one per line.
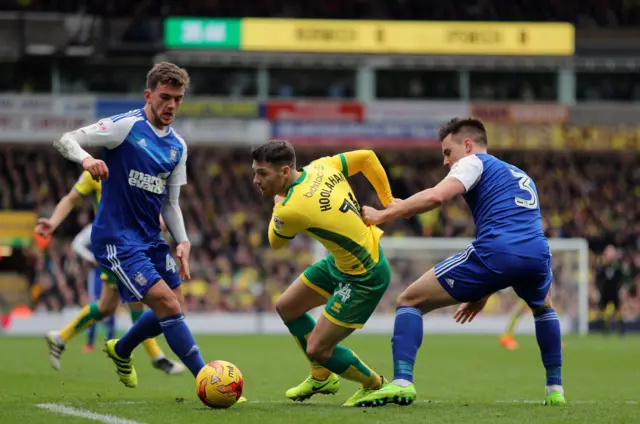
column 421, row 202
column 367, row 162
column 47, row 226
column 104, row 133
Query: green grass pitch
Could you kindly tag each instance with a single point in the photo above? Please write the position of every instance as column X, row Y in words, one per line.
column 459, row 378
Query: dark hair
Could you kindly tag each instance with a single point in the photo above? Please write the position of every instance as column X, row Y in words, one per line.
column 470, row 127
column 167, row 73
column 276, row 152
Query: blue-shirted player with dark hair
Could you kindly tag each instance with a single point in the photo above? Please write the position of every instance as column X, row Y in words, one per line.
column 143, row 168
column 510, row 250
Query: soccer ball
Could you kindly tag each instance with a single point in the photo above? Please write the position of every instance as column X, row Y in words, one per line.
column 219, row 384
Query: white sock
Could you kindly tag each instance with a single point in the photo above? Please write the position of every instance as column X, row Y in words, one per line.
column 159, row 357
column 554, row 388
column 402, row 382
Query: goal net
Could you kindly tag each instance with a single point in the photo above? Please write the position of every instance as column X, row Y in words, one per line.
column 410, row 257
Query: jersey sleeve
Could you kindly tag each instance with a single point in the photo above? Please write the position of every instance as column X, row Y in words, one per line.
column 468, row 171
column 178, row 176
column 285, row 223
column 105, row 133
column 367, row 163
column 85, row 185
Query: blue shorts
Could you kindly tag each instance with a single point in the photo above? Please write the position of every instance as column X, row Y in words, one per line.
column 137, row 268
column 95, row 284
column 469, row 276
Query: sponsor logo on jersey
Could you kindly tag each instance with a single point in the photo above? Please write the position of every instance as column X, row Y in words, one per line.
column 173, row 154
column 142, row 142
column 148, row 182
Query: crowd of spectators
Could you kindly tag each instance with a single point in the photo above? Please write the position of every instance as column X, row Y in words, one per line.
column 598, row 13
column 233, row 268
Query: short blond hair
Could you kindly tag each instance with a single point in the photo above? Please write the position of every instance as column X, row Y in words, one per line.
column 167, row 73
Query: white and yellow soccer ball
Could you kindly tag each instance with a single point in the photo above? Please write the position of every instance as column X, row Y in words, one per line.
column 219, row 384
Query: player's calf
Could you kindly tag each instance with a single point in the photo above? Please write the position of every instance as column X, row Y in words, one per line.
column 549, row 339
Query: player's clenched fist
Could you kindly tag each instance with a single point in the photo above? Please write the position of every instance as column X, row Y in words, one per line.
column 97, row 168
column 371, row 216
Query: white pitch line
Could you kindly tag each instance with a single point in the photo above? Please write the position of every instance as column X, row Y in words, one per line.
column 83, row 413
column 287, row 402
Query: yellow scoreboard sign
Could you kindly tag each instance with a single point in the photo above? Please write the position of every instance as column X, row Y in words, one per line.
column 407, row 37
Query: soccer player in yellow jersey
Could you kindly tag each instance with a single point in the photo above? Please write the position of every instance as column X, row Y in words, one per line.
column 318, row 201
column 109, row 299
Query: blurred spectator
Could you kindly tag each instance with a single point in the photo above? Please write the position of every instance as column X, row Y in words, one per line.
column 596, row 13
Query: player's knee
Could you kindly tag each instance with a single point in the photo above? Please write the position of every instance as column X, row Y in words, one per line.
column 406, row 300
column 283, row 310
column 318, row 353
column 165, row 304
column 546, row 304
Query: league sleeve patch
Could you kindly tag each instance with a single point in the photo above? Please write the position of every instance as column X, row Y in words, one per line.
column 278, row 223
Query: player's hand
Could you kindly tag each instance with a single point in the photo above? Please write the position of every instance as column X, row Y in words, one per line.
column 277, row 199
column 97, row 168
column 44, row 227
column 371, row 216
column 183, row 250
column 468, row 311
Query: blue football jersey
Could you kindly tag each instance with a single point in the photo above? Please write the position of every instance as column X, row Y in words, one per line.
column 505, row 206
column 142, row 160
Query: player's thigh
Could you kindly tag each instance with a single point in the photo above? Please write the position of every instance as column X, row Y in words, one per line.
column 165, row 265
column 324, row 338
column 461, row 278
column 132, row 269
column 297, row 299
column 535, row 290
column 356, row 297
column 426, row 294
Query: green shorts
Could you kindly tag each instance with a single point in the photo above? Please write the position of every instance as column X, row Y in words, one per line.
column 351, row 298
column 107, row 277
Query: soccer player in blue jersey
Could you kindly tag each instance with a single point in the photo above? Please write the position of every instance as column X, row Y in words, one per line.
column 144, row 166
column 510, row 250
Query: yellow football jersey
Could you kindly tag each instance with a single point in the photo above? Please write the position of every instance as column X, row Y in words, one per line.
column 321, row 203
column 86, row 186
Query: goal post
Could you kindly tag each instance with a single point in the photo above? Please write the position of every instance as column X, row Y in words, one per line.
column 410, row 257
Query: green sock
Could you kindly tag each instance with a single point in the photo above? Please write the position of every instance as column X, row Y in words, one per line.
column 135, row 315
column 343, row 361
column 88, row 316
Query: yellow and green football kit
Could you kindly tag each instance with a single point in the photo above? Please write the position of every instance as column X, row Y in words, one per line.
column 321, row 203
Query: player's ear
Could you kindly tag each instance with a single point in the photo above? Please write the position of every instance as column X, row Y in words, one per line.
column 147, row 95
column 468, row 145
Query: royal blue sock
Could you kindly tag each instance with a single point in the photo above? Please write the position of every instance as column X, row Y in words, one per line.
column 550, row 342
column 182, row 343
column 147, row 327
column 407, row 338
column 111, row 327
column 91, row 335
